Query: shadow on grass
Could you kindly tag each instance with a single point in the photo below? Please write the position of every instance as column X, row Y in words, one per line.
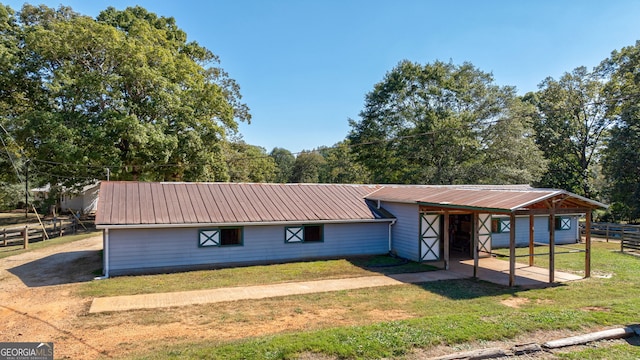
column 389, row 265
column 466, row 289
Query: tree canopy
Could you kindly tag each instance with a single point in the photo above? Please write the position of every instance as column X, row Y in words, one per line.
column 127, row 92
column 124, row 91
column 621, row 163
column 443, row 124
column 570, row 128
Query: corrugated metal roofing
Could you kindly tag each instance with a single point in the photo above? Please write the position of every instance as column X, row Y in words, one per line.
column 132, row 203
column 480, row 198
column 140, row 203
column 508, row 197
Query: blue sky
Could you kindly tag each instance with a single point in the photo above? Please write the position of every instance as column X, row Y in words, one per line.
column 304, row 67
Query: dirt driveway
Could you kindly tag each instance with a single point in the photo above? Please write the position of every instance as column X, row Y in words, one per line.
column 36, row 294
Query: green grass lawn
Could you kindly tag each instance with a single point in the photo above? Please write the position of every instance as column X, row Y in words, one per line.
column 252, row 275
column 572, row 262
column 446, row 312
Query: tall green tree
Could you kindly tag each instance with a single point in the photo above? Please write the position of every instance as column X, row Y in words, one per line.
column 510, row 154
column 431, row 124
column 340, row 165
column 284, row 161
column 125, row 91
column 307, row 167
column 249, row 163
column 570, row 129
column 621, row 163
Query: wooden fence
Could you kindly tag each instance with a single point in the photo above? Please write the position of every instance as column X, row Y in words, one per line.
column 628, row 235
column 23, row 234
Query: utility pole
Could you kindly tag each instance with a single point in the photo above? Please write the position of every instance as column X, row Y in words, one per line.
column 26, row 188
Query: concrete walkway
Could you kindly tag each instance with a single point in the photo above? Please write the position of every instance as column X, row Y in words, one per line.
column 150, row 301
column 490, row 269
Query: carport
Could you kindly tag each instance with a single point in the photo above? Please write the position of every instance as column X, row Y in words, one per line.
column 482, row 203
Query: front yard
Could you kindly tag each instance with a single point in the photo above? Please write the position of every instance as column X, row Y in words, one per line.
column 392, row 322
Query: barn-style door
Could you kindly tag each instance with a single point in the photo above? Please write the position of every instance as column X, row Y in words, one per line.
column 430, row 237
column 484, row 232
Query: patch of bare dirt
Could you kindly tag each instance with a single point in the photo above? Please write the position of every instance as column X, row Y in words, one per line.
column 595, row 308
column 515, row 302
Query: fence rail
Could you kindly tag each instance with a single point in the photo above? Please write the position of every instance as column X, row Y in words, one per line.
column 33, row 232
column 628, row 235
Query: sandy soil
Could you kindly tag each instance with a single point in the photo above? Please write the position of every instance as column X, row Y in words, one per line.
column 39, row 303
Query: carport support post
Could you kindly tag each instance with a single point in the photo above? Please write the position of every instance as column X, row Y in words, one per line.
column 531, row 238
column 476, row 237
column 552, row 246
column 512, row 249
column 587, row 245
column 446, row 240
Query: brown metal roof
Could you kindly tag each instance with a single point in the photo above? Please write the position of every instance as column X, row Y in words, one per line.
column 135, row 203
column 139, row 203
column 491, row 197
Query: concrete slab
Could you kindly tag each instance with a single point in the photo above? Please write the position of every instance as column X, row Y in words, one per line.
column 497, row 271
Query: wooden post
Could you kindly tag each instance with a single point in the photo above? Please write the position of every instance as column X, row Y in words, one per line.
column 4, row 236
column 607, row 232
column 77, row 217
column 531, row 238
column 622, row 240
column 512, row 249
column 44, row 230
column 446, row 240
column 552, row 246
column 476, row 237
column 587, row 246
column 25, row 237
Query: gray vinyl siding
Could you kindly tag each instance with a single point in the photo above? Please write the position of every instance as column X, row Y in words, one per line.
column 541, row 232
column 150, row 250
column 405, row 232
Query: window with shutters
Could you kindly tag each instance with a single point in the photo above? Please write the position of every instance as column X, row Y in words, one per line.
column 226, row 236
column 304, row 234
column 500, row 225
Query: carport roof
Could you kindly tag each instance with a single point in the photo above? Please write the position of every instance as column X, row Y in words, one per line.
column 480, row 197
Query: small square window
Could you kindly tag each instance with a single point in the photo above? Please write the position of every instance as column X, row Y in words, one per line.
column 220, row 237
column 230, row 236
column 304, row 233
column 313, row 233
column 499, row 225
column 563, row 223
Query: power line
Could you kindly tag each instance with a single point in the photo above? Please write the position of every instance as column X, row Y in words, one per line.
column 10, row 158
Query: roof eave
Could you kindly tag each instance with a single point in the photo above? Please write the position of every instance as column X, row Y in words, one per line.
column 232, row 224
column 466, row 207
